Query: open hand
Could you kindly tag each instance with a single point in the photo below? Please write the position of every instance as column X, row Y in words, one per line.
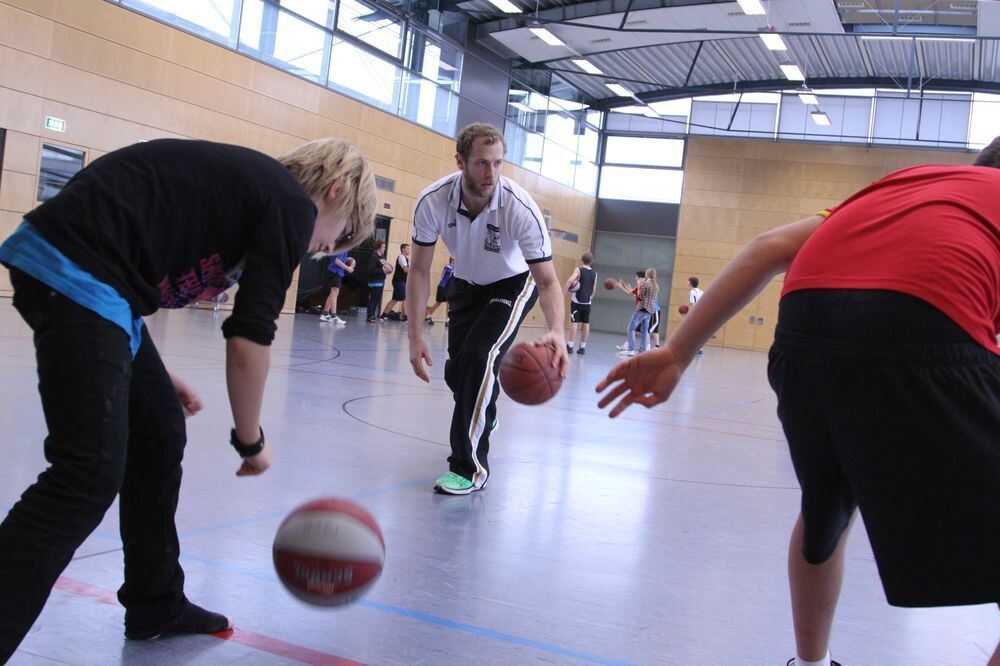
column 647, row 379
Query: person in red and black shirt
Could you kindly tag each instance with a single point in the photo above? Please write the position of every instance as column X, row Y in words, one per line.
column 158, row 224
column 887, row 371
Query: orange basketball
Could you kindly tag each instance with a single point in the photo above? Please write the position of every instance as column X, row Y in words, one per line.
column 683, row 309
column 328, row 552
column 527, row 374
column 610, row 283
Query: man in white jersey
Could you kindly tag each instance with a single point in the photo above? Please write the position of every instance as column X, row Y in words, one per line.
column 503, row 264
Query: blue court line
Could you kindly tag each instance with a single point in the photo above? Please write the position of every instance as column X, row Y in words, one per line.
column 271, row 578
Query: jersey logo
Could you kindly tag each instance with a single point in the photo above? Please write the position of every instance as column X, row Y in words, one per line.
column 505, row 301
column 492, row 243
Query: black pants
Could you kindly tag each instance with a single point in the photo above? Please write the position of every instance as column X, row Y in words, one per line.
column 115, row 427
column 891, row 407
column 484, row 321
column 374, row 300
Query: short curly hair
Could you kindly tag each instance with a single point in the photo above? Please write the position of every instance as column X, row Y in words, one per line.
column 469, row 135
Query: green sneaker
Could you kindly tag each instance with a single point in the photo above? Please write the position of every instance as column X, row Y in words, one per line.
column 455, row 484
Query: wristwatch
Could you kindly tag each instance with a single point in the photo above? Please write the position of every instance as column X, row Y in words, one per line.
column 246, row 450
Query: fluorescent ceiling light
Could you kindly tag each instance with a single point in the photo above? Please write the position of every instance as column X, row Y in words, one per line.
column 751, row 7
column 506, row 6
column 587, row 66
column 619, row 89
column 809, row 98
column 958, row 40
column 546, row 36
column 820, row 118
column 793, row 73
column 521, row 107
column 518, row 93
column 773, row 41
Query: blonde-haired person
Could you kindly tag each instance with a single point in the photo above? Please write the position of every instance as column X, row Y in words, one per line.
column 181, row 221
column 647, row 295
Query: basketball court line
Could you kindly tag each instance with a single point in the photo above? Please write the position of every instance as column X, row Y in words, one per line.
column 250, row 639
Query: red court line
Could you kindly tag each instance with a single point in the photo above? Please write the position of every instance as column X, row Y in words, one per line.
column 250, row 639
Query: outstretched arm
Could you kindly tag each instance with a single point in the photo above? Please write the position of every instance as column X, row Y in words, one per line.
column 650, row 378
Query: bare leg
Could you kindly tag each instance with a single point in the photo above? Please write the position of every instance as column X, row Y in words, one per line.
column 815, row 589
column 331, row 301
column 572, row 334
column 584, row 333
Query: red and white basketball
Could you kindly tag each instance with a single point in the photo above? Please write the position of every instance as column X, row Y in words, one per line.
column 329, row 552
column 351, row 261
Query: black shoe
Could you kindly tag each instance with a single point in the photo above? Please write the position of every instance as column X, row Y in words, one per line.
column 192, row 620
column 569, row 349
column 428, row 320
column 581, row 351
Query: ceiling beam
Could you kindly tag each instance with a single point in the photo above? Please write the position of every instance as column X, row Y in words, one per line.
column 777, row 85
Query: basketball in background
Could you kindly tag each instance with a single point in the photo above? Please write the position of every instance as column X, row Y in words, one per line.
column 351, row 261
column 610, row 283
column 574, row 286
column 527, row 375
column 328, row 552
column 683, row 309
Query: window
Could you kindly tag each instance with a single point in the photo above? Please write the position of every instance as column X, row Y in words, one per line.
column 212, row 19
column 58, row 166
column 372, row 25
column 281, row 38
column 644, row 151
column 365, row 76
column 663, row 185
column 434, row 61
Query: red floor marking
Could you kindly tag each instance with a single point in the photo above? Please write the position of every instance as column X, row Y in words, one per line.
column 250, row 639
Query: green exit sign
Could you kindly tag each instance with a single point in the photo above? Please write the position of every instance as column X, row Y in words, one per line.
column 55, row 124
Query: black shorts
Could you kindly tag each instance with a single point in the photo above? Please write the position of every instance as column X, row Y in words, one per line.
column 579, row 313
column 332, row 280
column 890, row 406
column 399, row 291
column 442, row 294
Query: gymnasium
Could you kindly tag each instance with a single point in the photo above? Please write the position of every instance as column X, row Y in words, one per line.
column 660, row 134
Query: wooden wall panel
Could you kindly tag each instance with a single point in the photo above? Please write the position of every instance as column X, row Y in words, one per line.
column 736, row 189
column 117, row 77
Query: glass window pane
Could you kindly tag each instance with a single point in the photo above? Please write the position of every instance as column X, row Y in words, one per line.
column 586, row 178
column 364, row 76
column 558, row 163
column 645, row 151
column 58, row 166
column 213, row 19
column 437, row 62
column 641, row 184
column 371, row 25
column 561, row 128
column 523, row 147
column 429, row 104
column 317, row 11
column 283, row 39
column 984, row 125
